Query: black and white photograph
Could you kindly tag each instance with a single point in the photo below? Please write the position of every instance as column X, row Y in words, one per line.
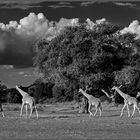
column 69, row 69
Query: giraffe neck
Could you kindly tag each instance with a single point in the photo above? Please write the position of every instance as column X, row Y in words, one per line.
column 23, row 93
column 121, row 93
column 106, row 93
column 138, row 95
column 85, row 94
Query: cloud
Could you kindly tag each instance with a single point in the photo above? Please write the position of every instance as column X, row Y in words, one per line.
column 21, row 1
column 63, row 22
column 61, row 6
column 17, row 38
column 133, row 28
column 24, row 33
column 101, row 21
column 23, row 6
column 87, row 3
column 90, row 24
column 64, row 3
column 58, row 26
column 125, row 4
column 40, row 1
column 33, row 25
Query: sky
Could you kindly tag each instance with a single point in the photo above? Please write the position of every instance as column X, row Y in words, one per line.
column 24, row 22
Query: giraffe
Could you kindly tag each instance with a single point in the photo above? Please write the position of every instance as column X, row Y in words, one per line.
column 128, row 100
column 92, row 101
column 27, row 100
column 1, row 110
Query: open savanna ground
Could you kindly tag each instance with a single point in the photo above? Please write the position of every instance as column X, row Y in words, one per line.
column 62, row 120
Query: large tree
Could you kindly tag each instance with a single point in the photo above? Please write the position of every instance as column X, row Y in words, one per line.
column 79, row 56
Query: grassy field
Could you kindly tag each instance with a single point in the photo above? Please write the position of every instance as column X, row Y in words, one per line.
column 59, row 121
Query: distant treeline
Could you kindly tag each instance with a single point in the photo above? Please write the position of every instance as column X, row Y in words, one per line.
column 42, row 92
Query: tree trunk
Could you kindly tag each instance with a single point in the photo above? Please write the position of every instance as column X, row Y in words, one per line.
column 114, row 102
column 84, row 106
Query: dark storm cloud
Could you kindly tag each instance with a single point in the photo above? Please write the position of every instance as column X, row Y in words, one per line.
column 61, row 6
column 13, row 4
column 64, row 3
column 17, row 39
column 30, row 4
column 27, row 4
column 18, row 60
column 87, row 3
column 18, row 6
column 15, row 50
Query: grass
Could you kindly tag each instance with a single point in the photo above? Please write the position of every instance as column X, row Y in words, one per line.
column 62, row 120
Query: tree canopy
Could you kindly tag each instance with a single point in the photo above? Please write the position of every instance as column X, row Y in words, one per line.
column 79, row 56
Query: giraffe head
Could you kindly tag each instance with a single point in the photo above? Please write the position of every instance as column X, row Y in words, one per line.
column 80, row 90
column 138, row 94
column 17, row 86
column 115, row 87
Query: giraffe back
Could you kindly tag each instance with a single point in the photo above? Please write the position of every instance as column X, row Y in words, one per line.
column 94, row 101
column 131, row 100
column 28, row 100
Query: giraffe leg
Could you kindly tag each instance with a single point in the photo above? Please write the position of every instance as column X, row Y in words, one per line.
column 100, row 111
column 36, row 111
column 133, row 111
column 31, row 111
column 26, row 110
column 122, row 110
column 21, row 109
column 128, row 110
column 89, row 107
column 96, row 111
column 138, row 109
column 2, row 112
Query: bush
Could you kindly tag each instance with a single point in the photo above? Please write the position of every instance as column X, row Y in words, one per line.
column 58, row 93
column 13, row 96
